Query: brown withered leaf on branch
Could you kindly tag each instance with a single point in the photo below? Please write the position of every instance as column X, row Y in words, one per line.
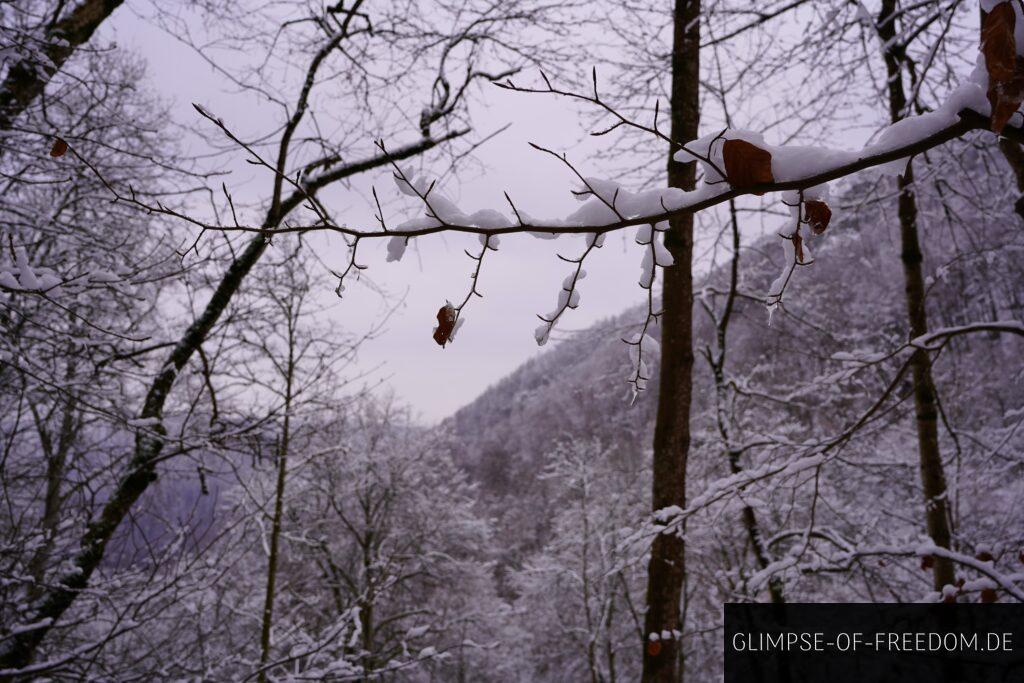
column 1006, row 97
column 817, row 215
column 746, row 165
column 59, row 148
column 1005, row 68
column 445, row 324
column 997, row 43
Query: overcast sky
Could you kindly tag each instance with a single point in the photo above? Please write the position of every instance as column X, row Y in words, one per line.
column 521, row 280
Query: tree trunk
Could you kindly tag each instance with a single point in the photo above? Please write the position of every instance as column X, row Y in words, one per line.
column 27, row 79
column 56, row 455
column 366, row 616
column 275, row 528
column 1014, row 156
column 933, row 477
column 141, row 471
column 666, row 569
column 17, row 651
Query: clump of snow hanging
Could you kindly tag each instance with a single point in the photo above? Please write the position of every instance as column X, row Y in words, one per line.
column 458, row 326
column 26, row 276
column 22, row 276
column 443, row 211
column 640, row 349
column 8, row 280
column 542, row 332
column 568, row 297
column 655, row 254
column 491, row 242
column 396, row 248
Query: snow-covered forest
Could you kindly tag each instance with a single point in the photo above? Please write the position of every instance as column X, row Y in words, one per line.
column 766, row 259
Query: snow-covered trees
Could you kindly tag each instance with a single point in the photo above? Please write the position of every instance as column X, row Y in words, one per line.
column 198, row 480
column 383, row 565
column 580, row 597
column 38, row 38
column 78, row 310
column 399, row 44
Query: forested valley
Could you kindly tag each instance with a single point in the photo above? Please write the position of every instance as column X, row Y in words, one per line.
column 815, row 396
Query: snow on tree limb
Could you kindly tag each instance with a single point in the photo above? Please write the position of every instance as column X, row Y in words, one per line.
column 734, row 163
column 796, row 168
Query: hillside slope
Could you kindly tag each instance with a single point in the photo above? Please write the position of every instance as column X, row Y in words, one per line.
column 849, row 301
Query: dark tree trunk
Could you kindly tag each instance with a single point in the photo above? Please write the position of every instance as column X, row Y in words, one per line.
column 279, row 489
column 1014, row 156
column 140, row 474
column 667, row 568
column 56, row 454
column 27, row 79
column 933, row 478
column 17, row 651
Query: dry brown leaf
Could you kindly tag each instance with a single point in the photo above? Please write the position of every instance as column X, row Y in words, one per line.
column 445, row 324
column 817, row 215
column 746, row 165
column 1005, row 68
column 653, row 648
column 1006, row 98
column 59, row 148
column 997, row 43
column 988, row 595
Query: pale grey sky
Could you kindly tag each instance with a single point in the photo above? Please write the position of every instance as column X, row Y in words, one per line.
column 519, row 281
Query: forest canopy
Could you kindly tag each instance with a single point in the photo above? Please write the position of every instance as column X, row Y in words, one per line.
column 228, row 229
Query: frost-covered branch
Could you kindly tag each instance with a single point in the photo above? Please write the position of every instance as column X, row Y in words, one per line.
column 794, row 168
column 846, row 557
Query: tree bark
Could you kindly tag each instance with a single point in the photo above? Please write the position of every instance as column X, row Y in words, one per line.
column 56, row 455
column 275, row 528
column 933, row 477
column 27, row 78
column 666, row 569
column 1014, row 156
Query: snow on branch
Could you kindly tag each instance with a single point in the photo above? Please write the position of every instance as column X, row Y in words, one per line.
column 989, row 581
column 937, row 338
column 794, row 168
column 728, row 175
column 734, row 163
